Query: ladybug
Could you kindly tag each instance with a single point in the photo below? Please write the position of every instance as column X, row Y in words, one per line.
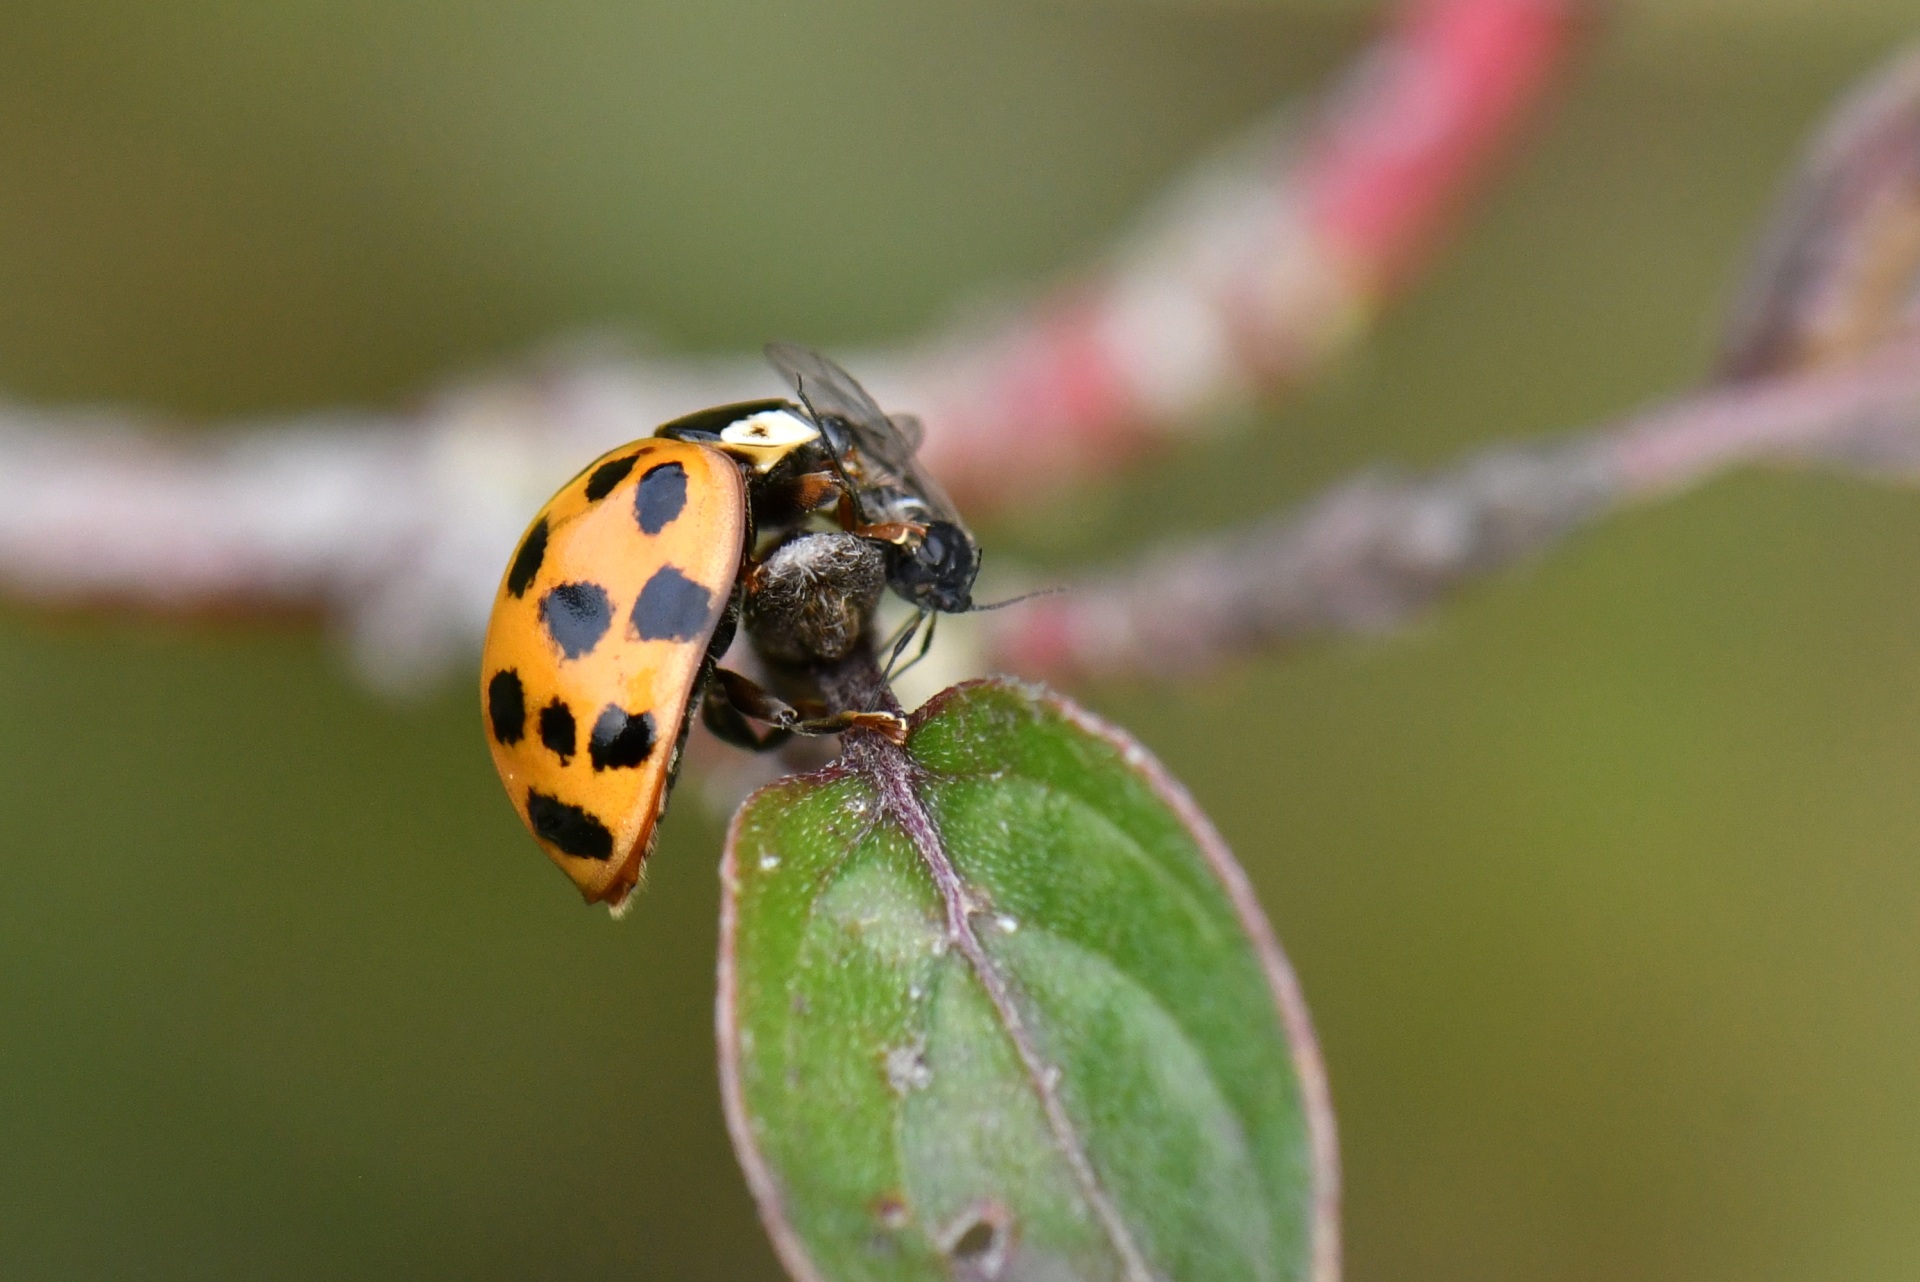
column 611, row 617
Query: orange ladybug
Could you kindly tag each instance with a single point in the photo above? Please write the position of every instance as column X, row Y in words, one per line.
column 618, row 602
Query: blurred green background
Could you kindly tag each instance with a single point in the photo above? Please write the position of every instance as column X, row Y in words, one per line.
column 1603, row 886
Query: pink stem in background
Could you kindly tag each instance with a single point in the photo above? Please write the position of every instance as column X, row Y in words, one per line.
column 1369, row 555
column 1420, row 122
column 1250, row 274
column 1835, row 272
column 1272, row 263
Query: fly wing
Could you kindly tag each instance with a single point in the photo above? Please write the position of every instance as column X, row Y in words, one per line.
column 887, row 445
column 832, row 393
column 910, row 429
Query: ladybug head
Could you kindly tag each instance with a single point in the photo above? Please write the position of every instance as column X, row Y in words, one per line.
column 937, row 572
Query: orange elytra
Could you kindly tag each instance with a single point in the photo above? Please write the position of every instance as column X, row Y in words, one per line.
column 628, row 586
column 594, row 654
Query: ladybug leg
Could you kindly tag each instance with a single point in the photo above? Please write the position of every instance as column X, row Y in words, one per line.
column 751, row 699
column 730, row 725
column 789, row 501
column 846, row 514
column 899, row 533
column 813, row 490
column 890, row 725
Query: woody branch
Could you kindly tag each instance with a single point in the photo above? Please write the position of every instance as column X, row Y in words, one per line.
column 1821, row 367
column 1372, row 553
column 399, row 527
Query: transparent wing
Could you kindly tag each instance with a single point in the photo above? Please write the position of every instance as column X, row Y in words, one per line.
column 832, row 393
column 887, row 445
column 910, row 429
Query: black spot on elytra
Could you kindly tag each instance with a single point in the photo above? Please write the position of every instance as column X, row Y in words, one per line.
column 608, row 475
column 671, row 607
column 526, row 562
column 557, row 730
column 507, row 706
column 620, row 740
column 661, row 497
column 571, row 830
column 576, row 616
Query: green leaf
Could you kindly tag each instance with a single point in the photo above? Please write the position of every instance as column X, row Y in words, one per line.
column 999, row 1005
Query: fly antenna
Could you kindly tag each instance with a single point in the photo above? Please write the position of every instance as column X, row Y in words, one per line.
column 1015, row 600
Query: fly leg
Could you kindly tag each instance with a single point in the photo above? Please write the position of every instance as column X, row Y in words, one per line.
column 742, row 698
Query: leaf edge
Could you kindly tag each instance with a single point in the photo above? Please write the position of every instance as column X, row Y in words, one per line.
column 1324, row 1251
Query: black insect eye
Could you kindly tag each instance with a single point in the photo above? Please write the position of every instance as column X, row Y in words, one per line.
column 934, row 549
column 948, row 563
column 948, row 553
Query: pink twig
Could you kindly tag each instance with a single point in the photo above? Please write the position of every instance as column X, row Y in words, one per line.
column 1372, row 553
column 1251, row 272
column 1420, row 121
column 1265, row 265
column 1836, row 270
